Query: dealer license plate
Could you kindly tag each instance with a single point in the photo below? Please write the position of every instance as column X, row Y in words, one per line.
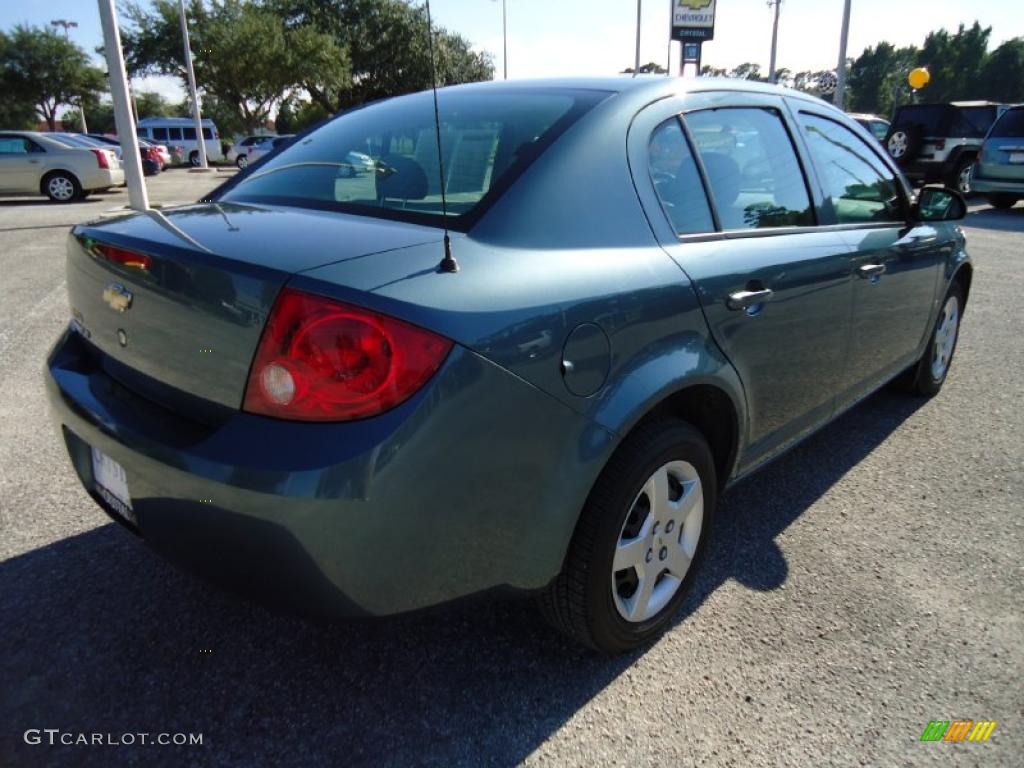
column 1017, row 157
column 112, row 484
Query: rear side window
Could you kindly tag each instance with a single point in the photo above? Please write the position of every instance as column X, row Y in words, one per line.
column 160, row 134
column 927, row 119
column 751, row 168
column 972, row 122
column 13, row 145
column 1010, row 125
column 382, row 159
column 856, row 182
column 677, row 181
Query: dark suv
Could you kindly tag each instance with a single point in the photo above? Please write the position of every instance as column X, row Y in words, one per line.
column 940, row 142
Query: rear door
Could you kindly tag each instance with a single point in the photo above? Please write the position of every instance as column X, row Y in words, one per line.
column 774, row 288
column 896, row 263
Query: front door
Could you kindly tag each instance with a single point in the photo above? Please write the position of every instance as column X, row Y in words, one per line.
column 896, row 265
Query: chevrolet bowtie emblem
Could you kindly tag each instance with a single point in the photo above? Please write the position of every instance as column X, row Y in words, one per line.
column 118, row 297
column 694, row 5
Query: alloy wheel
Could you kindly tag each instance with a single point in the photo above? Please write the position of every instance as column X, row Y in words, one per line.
column 658, row 541
column 898, row 144
column 61, row 188
column 945, row 337
column 963, row 181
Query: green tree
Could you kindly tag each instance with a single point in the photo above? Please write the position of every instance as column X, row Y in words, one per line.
column 245, row 58
column 284, row 121
column 650, row 68
column 746, row 71
column 1002, row 75
column 152, row 104
column 43, row 70
column 878, row 78
column 954, row 61
column 387, row 46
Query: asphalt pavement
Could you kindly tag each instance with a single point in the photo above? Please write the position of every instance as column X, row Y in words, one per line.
column 865, row 584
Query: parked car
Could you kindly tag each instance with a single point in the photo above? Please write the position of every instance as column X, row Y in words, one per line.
column 940, row 142
column 877, row 126
column 260, row 149
column 33, row 163
column 85, row 140
column 360, row 396
column 239, row 152
column 158, row 152
column 153, row 157
column 999, row 173
column 182, row 131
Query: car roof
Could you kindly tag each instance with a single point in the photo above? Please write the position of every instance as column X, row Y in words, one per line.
column 866, row 116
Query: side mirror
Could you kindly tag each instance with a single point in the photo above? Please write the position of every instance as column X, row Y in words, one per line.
column 939, row 204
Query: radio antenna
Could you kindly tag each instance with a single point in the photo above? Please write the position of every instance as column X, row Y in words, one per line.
column 448, row 263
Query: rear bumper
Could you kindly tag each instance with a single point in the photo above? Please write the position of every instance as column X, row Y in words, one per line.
column 473, row 485
column 101, row 178
column 982, row 184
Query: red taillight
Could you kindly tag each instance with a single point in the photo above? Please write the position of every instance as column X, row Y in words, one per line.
column 101, row 158
column 122, row 256
column 322, row 360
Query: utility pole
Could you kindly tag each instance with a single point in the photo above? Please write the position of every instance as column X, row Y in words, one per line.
column 636, row 66
column 775, row 39
column 192, row 89
column 130, row 158
column 504, row 39
column 840, row 98
column 81, row 102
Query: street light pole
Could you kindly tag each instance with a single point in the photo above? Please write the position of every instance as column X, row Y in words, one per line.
column 840, row 98
column 130, row 156
column 636, row 66
column 81, row 102
column 196, row 116
column 775, row 39
column 504, row 39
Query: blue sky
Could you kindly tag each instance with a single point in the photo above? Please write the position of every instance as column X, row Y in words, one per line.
column 558, row 37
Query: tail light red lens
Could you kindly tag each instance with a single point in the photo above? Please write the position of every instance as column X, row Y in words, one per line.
column 122, row 256
column 323, row 360
column 101, row 158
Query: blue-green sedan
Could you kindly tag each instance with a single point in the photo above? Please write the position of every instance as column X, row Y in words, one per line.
column 303, row 388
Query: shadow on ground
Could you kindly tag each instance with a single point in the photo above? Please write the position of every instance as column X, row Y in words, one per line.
column 100, row 635
column 1011, row 220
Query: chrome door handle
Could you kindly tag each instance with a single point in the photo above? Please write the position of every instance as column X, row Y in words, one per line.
column 33, row 161
column 744, row 299
column 868, row 271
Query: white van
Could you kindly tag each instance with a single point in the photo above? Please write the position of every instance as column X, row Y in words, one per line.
column 182, row 132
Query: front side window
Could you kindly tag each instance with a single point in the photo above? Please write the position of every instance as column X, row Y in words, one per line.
column 751, row 168
column 207, row 133
column 855, row 181
column 973, row 122
column 677, row 181
column 160, row 134
column 382, row 159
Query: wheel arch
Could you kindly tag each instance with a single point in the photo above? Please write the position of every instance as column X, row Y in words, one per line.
column 50, row 172
column 964, row 274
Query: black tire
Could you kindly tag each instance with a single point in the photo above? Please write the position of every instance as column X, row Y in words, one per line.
column 193, row 158
column 958, row 180
column 579, row 602
column 921, row 380
column 61, row 187
column 1001, row 201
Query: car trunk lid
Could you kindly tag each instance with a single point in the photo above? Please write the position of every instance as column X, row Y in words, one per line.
column 177, row 300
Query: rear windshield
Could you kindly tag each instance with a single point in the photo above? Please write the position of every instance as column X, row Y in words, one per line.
column 1010, row 125
column 382, row 159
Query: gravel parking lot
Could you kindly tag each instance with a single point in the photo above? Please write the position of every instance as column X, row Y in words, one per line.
column 865, row 584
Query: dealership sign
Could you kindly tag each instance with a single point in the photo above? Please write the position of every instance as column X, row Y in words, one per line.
column 693, row 20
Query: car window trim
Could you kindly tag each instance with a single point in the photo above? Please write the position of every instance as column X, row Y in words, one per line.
column 781, row 115
column 708, row 198
column 905, row 204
